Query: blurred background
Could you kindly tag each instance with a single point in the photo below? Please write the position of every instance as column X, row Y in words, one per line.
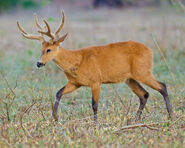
column 159, row 24
column 6, row 5
column 125, row 19
column 95, row 22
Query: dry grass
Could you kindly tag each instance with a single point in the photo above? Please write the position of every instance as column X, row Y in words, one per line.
column 25, row 109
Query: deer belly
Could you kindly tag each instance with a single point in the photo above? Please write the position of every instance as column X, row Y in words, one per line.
column 115, row 78
column 115, row 74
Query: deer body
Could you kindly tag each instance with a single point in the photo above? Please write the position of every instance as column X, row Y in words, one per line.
column 112, row 63
column 130, row 62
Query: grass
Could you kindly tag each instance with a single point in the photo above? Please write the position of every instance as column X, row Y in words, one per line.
column 25, row 91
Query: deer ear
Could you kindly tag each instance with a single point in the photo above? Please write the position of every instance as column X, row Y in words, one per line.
column 61, row 39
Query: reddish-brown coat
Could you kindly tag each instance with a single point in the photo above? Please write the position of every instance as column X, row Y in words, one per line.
column 111, row 63
column 129, row 62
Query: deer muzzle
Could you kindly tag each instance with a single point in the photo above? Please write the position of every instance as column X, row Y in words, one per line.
column 40, row 64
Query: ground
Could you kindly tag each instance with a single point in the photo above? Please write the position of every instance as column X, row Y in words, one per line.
column 25, row 90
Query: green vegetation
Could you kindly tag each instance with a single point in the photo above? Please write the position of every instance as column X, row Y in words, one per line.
column 25, row 91
column 5, row 4
column 12, row 4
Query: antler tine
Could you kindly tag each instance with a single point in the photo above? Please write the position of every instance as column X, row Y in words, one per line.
column 29, row 36
column 20, row 28
column 36, row 21
column 61, row 25
column 33, row 37
column 47, row 25
column 48, row 33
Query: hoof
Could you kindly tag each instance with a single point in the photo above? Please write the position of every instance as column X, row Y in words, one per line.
column 137, row 118
column 55, row 116
column 95, row 121
column 172, row 117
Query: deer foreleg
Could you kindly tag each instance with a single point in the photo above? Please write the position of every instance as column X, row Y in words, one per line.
column 95, row 97
column 64, row 90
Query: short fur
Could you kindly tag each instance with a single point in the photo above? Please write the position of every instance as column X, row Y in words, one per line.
column 129, row 62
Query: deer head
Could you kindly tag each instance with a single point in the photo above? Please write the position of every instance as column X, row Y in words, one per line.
column 49, row 48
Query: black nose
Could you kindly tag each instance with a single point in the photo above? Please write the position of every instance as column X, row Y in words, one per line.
column 39, row 64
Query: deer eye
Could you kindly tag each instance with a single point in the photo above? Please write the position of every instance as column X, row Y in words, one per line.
column 48, row 50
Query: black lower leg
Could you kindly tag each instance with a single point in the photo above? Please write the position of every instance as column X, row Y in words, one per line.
column 58, row 97
column 143, row 100
column 95, row 108
column 164, row 93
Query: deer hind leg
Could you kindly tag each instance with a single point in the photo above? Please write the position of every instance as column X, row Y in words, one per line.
column 141, row 93
column 161, row 88
column 64, row 90
column 95, row 88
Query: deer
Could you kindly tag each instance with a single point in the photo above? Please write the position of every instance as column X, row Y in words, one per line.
column 129, row 61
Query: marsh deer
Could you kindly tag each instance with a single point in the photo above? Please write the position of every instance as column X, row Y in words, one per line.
column 129, row 62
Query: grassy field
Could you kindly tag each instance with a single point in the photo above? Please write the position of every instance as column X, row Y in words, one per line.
column 25, row 90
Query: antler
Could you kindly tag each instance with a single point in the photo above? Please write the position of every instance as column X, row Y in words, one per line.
column 61, row 25
column 29, row 36
column 41, row 30
column 48, row 33
column 37, row 23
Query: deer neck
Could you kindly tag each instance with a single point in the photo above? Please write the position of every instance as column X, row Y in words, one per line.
column 67, row 59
